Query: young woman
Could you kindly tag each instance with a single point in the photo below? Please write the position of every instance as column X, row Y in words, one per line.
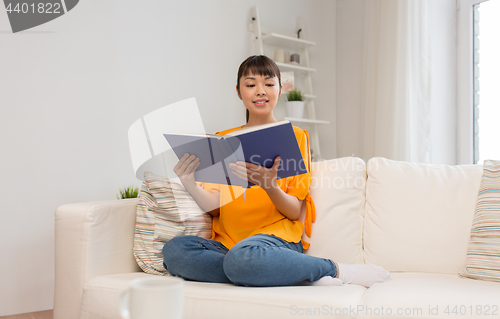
column 256, row 240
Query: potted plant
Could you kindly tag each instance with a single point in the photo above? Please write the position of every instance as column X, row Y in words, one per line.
column 295, row 104
column 128, row 192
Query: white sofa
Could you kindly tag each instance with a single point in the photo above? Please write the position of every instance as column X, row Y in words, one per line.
column 412, row 219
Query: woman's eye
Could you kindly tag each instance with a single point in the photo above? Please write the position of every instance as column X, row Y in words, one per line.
column 250, row 85
column 270, row 84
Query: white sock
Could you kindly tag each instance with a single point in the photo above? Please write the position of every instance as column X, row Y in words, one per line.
column 362, row 274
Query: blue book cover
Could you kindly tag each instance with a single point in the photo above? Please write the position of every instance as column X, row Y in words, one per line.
column 259, row 144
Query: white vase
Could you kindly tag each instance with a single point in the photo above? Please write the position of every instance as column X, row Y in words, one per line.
column 295, row 109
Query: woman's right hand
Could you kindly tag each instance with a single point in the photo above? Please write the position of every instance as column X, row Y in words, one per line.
column 185, row 169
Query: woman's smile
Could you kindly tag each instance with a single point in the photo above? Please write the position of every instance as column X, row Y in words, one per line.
column 261, row 102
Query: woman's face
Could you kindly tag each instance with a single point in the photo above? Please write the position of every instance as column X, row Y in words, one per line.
column 259, row 93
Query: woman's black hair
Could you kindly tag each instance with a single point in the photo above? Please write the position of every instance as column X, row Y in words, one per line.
column 258, row 65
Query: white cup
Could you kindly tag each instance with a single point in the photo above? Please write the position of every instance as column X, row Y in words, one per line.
column 153, row 298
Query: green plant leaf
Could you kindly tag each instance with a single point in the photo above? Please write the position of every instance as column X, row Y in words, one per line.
column 128, row 192
column 294, row 95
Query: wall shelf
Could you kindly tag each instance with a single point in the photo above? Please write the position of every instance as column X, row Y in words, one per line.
column 286, row 42
column 276, row 39
column 309, row 96
column 294, row 67
column 291, row 119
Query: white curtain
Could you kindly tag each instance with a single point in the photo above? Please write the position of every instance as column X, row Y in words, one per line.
column 396, row 75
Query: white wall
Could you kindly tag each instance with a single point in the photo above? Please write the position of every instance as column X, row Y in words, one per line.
column 70, row 89
column 350, row 34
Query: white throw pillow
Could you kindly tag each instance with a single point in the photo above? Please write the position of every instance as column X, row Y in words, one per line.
column 165, row 210
column 338, row 191
column 418, row 216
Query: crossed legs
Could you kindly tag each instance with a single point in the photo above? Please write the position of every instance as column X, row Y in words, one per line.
column 260, row 260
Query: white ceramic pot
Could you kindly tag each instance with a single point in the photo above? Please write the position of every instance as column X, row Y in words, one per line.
column 295, row 109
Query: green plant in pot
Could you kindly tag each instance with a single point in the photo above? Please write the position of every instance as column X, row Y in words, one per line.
column 128, row 192
column 295, row 104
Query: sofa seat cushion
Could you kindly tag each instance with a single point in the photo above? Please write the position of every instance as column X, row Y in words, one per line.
column 226, row 301
column 434, row 295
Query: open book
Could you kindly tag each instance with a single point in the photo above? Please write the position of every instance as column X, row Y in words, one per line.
column 259, row 144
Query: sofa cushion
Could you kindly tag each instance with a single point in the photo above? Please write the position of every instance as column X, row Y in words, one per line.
column 227, row 301
column 338, row 191
column 426, row 295
column 483, row 256
column 165, row 210
column 418, row 216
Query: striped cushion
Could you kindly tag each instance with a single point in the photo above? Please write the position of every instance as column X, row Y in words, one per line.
column 483, row 256
column 165, row 210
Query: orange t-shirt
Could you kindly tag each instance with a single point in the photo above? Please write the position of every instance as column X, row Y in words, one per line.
column 241, row 218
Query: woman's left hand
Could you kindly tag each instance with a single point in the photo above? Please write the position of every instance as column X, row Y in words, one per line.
column 259, row 175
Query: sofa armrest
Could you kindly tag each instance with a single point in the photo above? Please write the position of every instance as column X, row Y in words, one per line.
column 92, row 239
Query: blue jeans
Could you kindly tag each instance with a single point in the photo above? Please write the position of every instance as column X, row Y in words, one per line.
column 260, row 260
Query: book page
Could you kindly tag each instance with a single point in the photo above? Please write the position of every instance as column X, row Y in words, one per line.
column 256, row 128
